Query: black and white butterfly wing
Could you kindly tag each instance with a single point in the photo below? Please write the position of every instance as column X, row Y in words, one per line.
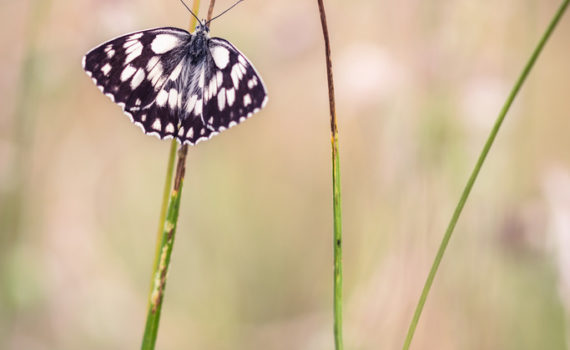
column 175, row 84
column 137, row 70
column 231, row 92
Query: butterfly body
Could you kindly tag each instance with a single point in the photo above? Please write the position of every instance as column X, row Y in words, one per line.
column 174, row 84
column 198, row 46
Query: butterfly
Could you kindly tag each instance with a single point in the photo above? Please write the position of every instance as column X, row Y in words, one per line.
column 176, row 84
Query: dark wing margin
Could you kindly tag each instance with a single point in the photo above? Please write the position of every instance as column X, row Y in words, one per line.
column 232, row 92
column 137, row 71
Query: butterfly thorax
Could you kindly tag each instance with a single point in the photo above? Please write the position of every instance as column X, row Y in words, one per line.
column 199, row 43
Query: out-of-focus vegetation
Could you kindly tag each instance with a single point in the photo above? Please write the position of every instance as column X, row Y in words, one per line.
column 418, row 87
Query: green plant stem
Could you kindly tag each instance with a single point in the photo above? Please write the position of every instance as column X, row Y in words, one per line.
column 163, row 208
column 337, row 225
column 167, row 243
column 337, row 285
column 516, row 88
column 167, row 231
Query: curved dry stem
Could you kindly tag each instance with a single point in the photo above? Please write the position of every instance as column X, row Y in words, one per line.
column 337, row 234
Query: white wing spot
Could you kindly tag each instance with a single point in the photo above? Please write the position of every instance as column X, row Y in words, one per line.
column 138, row 102
column 219, row 78
column 137, row 79
column 264, row 102
column 162, row 98
column 176, row 72
column 221, row 56
column 190, row 133
column 201, row 79
column 246, row 100
column 133, row 53
column 133, row 46
column 106, row 69
column 169, row 128
column 151, row 63
column 198, row 108
column 160, row 82
column 191, row 103
column 202, row 131
column 136, row 36
column 211, row 120
column 173, row 98
column 231, row 94
column 252, row 82
column 155, row 73
column 212, row 88
column 130, row 43
column 242, row 60
column 110, row 53
column 181, row 131
column 156, row 125
column 222, row 99
column 143, row 117
column 235, row 75
column 128, row 72
column 242, row 69
column 164, row 43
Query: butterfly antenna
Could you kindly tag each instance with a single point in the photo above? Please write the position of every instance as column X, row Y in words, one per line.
column 188, row 8
column 231, row 7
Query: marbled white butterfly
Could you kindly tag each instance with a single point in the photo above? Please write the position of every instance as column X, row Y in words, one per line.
column 175, row 84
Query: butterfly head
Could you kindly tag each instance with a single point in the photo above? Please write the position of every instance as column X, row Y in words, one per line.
column 202, row 27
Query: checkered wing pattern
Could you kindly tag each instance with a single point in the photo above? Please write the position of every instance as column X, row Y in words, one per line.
column 175, row 84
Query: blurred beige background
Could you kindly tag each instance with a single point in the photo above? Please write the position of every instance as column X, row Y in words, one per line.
column 419, row 84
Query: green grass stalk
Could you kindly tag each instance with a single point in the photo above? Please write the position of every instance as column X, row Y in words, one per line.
column 167, row 229
column 467, row 190
column 166, row 244
column 337, row 224
column 337, row 285
column 164, row 207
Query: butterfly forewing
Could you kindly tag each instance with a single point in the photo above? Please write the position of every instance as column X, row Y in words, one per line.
column 173, row 85
column 133, row 70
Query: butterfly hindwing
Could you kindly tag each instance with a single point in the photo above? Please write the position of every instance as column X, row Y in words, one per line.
column 233, row 90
